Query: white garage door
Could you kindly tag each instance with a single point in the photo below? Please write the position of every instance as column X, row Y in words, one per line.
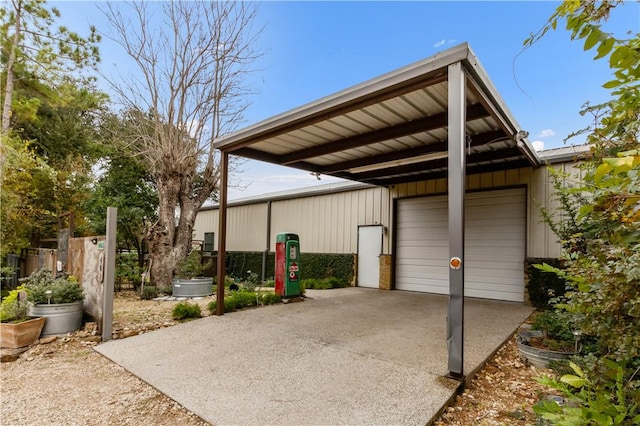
column 494, row 244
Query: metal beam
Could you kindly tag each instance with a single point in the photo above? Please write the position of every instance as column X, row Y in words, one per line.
column 222, row 231
column 472, row 169
column 476, row 140
column 456, row 170
column 478, row 157
column 424, row 124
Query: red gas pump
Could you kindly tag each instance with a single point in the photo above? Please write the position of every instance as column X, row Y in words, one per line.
column 287, row 269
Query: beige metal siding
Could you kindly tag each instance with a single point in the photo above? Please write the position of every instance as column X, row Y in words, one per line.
column 246, row 227
column 329, row 223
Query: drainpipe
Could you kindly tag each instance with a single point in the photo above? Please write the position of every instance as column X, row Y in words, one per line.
column 265, row 254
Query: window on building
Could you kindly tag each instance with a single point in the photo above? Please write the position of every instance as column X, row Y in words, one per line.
column 208, row 242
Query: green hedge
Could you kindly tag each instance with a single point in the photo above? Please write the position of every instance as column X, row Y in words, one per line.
column 543, row 286
column 313, row 265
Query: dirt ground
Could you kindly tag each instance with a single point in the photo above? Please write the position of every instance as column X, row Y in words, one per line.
column 65, row 382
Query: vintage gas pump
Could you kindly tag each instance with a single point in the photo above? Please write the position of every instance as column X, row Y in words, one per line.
column 287, row 265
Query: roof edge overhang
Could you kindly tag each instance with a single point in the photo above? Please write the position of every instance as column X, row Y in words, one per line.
column 425, row 72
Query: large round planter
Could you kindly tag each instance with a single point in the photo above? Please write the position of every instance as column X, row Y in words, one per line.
column 538, row 357
column 192, row 287
column 21, row 334
column 61, row 318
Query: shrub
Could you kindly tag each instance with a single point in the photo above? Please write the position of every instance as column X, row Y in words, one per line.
column 127, row 271
column 555, row 324
column 610, row 400
column 244, row 299
column 14, row 306
column 191, row 266
column 252, row 281
column 269, row 283
column 42, row 287
column 543, row 287
column 270, row 298
column 186, row 310
column 149, row 292
column 322, row 284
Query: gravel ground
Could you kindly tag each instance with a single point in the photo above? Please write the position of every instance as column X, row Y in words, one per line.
column 65, row 382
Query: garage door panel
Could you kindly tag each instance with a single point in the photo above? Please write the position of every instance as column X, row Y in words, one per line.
column 494, row 244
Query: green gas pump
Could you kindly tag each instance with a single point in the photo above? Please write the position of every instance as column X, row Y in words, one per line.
column 287, row 265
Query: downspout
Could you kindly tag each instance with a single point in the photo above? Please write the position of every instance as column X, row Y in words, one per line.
column 265, row 254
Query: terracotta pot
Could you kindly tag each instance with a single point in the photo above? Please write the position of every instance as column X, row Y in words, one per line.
column 21, row 334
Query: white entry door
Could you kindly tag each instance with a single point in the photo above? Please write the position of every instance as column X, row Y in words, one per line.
column 369, row 250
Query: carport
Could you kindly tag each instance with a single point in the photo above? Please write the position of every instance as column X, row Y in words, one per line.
column 440, row 117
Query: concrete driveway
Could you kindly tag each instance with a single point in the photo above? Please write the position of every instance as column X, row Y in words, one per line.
column 349, row 356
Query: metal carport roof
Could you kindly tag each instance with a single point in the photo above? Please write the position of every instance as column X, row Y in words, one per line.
column 440, row 117
column 391, row 129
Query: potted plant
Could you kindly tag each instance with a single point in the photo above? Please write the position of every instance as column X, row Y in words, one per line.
column 57, row 299
column 549, row 338
column 17, row 329
column 189, row 281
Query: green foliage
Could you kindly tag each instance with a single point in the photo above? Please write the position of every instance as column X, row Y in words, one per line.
column 14, row 306
column 43, row 288
column 126, row 184
column 612, row 400
column 127, row 270
column 316, row 265
column 268, row 298
column 323, row 284
column 543, row 287
column 269, row 283
column 191, row 266
column 149, row 292
column 238, row 264
column 25, row 179
column 598, row 222
column 243, row 298
column 186, row 310
column 313, row 265
column 252, row 281
column 556, row 324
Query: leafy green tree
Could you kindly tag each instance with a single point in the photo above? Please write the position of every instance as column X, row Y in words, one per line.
column 24, row 175
column 50, row 117
column 126, row 184
column 599, row 224
column 32, row 45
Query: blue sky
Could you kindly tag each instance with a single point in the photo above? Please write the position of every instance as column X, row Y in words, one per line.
column 313, row 49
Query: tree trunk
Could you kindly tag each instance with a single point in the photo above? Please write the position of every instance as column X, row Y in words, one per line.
column 8, row 90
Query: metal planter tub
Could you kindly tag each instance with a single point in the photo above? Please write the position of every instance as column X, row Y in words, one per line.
column 192, row 287
column 538, row 357
column 61, row 318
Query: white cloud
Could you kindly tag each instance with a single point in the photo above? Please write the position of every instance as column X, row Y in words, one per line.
column 538, row 145
column 443, row 42
column 546, row 133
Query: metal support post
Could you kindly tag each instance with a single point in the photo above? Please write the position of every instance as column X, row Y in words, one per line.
column 456, row 172
column 222, row 231
column 109, row 273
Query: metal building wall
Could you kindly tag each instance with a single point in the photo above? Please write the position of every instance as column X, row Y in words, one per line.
column 329, row 223
column 541, row 242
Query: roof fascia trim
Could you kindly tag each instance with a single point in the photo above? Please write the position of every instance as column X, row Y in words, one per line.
column 438, row 61
column 481, row 79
